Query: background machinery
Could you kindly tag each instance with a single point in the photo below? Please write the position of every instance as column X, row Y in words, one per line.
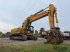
column 27, row 31
column 66, row 35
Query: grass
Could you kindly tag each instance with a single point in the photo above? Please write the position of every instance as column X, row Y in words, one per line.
column 35, row 48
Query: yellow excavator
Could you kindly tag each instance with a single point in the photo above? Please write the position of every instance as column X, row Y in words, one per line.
column 27, row 31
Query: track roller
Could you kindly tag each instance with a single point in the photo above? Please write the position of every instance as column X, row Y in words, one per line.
column 24, row 37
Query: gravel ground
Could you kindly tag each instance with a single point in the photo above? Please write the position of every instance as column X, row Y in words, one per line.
column 28, row 42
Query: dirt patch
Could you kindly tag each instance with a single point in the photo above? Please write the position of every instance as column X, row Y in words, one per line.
column 28, row 42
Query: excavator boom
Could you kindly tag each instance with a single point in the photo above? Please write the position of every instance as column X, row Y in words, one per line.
column 41, row 14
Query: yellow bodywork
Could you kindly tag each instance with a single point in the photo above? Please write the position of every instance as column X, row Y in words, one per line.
column 15, row 31
column 51, row 12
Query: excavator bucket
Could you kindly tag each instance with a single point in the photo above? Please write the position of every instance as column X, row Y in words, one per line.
column 55, row 37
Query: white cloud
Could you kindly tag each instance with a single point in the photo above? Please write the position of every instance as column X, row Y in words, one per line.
column 4, row 27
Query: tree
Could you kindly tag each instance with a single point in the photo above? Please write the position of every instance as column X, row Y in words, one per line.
column 41, row 30
column 7, row 34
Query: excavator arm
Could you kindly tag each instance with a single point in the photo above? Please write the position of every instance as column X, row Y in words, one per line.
column 41, row 14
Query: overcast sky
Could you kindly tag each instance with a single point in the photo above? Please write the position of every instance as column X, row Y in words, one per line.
column 14, row 12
